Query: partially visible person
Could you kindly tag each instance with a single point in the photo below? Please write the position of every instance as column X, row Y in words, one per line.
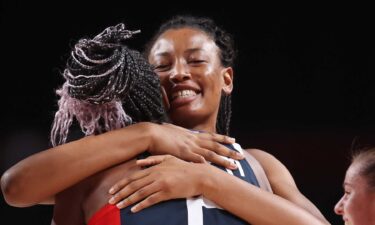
column 357, row 205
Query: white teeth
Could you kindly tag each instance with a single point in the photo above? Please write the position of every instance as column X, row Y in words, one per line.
column 183, row 94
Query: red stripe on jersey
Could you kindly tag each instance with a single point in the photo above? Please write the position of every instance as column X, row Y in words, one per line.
column 108, row 214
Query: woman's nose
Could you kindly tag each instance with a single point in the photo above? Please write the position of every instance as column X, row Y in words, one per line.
column 339, row 207
column 179, row 73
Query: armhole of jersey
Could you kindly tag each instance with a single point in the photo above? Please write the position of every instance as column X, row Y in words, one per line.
column 259, row 172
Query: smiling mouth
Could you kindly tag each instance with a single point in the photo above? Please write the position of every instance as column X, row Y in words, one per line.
column 183, row 94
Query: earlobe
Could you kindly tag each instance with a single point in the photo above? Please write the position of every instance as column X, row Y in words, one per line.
column 228, row 81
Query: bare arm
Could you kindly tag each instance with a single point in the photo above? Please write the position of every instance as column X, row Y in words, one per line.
column 40, row 176
column 167, row 180
column 283, row 184
column 256, row 206
column 44, row 174
column 286, row 206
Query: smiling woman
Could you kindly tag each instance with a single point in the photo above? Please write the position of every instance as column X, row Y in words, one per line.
column 357, row 206
column 193, row 58
column 193, row 76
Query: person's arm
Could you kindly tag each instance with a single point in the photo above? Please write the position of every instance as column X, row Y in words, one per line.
column 167, row 180
column 46, row 173
column 41, row 176
column 282, row 182
column 286, row 206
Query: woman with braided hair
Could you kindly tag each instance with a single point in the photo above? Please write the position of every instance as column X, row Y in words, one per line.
column 103, row 77
column 193, row 58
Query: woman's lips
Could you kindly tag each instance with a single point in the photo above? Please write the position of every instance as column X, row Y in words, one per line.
column 183, row 97
column 183, row 94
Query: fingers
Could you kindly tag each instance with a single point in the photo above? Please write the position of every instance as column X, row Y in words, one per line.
column 224, row 151
column 218, row 159
column 210, row 150
column 220, row 138
column 149, row 201
column 152, row 160
column 219, row 150
column 139, row 195
column 128, row 190
column 213, row 145
column 194, row 147
column 122, row 183
column 193, row 157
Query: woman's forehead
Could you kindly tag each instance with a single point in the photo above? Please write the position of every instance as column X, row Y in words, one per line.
column 183, row 39
column 354, row 177
column 352, row 173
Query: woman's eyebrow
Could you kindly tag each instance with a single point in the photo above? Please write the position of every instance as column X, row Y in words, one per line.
column 162, row 54
column 191, row 50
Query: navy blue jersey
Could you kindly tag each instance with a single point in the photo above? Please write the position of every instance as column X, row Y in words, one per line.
column 192, row 211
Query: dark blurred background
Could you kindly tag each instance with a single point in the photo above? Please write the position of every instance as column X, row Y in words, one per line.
column 304, row 82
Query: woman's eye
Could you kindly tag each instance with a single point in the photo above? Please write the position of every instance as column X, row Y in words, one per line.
column 347, row 192
column 196, row 61
column 160, row 67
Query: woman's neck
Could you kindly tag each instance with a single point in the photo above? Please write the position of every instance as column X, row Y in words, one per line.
column 204, row 128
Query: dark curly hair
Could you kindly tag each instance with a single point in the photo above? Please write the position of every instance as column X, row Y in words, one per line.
column 225, row 43
column 107, row 86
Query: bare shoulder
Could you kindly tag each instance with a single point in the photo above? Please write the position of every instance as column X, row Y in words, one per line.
column 259, row 154
column 267, row 160
column 283, row 183
column 275, row 170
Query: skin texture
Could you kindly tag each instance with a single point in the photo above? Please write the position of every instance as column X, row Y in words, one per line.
column 357, row 205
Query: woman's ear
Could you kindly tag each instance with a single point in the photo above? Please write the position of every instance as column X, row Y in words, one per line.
column 228, row 80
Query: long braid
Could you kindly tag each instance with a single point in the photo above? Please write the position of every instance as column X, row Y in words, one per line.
column 104, row 77
column 224, row 115
column 225, row 43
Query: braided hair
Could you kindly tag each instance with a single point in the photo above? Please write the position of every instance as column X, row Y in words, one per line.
column 107, row 86
column 227, row 52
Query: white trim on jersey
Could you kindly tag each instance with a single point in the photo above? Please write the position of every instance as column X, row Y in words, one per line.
column 195, row 209
column 229, row 171
column 238, row 147
column 239, row 168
